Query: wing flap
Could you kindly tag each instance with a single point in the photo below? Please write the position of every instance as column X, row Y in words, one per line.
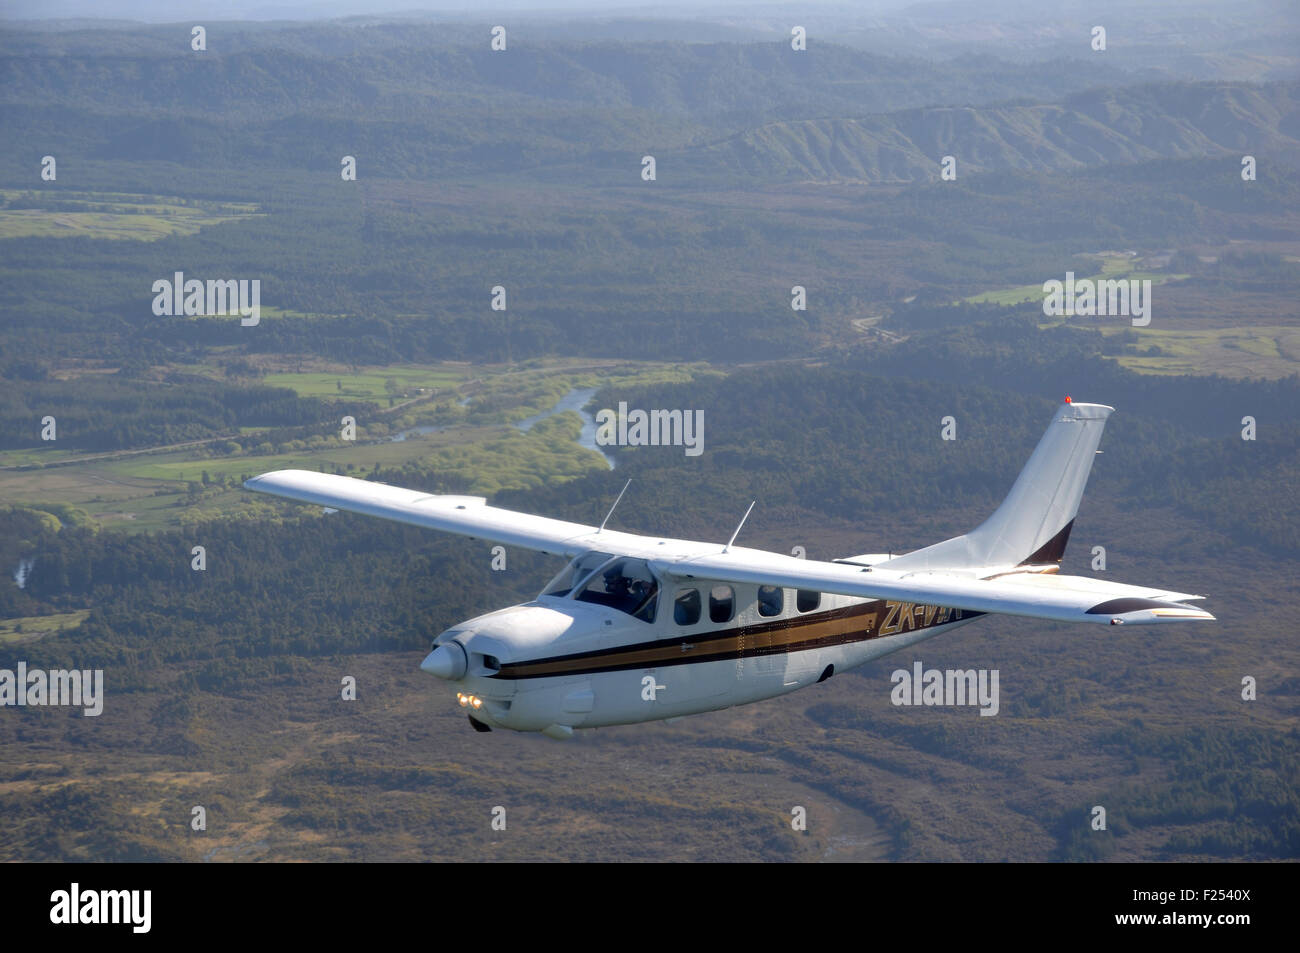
column 1103, row 588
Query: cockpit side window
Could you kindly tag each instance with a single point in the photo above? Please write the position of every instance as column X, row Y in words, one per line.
column 627, row 585
column 574, row 573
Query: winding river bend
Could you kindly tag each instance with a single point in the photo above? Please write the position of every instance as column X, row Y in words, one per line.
column 574, row 400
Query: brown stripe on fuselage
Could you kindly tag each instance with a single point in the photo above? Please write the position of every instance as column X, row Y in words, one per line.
column 856, row 623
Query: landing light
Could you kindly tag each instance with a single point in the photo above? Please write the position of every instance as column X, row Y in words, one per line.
column 469, row 701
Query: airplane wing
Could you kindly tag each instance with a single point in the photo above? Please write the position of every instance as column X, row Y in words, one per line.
column 466, row 515
column 1013, row 592
column 1036, row 595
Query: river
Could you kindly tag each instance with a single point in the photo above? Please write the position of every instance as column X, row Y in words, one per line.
column 574, row 400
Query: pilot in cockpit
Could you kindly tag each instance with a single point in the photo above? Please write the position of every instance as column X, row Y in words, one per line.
column 617, row 584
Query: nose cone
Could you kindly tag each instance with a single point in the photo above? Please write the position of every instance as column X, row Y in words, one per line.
column 446, row 661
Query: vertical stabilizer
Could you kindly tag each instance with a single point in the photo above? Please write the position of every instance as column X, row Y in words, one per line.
column 1033, row 522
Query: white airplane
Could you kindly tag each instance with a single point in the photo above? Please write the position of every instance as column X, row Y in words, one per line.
column 637, row 628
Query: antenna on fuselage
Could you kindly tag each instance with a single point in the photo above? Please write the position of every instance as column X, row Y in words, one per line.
column 611, row 509
column 727, row 548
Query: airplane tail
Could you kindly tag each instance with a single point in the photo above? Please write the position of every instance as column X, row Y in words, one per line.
column 1033, row 523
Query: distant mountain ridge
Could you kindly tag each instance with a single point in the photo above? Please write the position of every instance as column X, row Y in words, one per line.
column 1098, row 127
column 702, row 80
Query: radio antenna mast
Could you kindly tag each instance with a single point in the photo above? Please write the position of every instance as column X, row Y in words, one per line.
column 611, row 509
column 727, row 548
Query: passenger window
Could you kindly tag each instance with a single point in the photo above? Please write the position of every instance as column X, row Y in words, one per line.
column 771, row 599
column 627, row 585
column 806, row 600
column 686, row 607
column 722, row 604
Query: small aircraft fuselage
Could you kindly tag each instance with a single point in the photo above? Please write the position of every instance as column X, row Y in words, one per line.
column 610, row 643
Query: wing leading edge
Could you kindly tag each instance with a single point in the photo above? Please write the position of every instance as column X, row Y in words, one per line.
column 466, row 515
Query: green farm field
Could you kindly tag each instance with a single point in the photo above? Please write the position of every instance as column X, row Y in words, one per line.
column 40, row 626
column 114, row 215
column 1268, row 352
column 1112, row 266
column 371, row 384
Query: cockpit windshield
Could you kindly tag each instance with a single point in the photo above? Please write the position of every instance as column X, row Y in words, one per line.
column 627, row 585
column 574, row 573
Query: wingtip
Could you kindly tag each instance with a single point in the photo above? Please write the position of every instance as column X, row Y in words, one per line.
column 1140, row 610
column 255, row 482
